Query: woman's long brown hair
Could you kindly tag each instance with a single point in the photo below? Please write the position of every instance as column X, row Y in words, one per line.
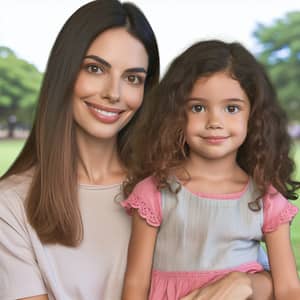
column 51, row 151
column 159, row 144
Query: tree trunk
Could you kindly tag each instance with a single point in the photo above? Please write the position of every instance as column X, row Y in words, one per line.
column 11, row 124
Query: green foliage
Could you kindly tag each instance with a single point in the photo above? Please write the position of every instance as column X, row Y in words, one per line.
column 19, row 87
column 280, row 53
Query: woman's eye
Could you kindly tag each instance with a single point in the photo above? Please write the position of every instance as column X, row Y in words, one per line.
column 197, row 108
column 232, row 109
column 94, row 69
column 134, row 79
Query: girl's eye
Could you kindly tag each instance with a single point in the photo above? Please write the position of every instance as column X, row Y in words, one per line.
column 232, row 109
column 134, row 79
column 94, row 69
column 197, row 108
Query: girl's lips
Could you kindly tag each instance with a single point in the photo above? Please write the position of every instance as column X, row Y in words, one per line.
column 104, row 114
column 215, row 139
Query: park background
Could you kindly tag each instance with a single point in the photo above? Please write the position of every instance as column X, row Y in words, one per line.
column 270, row 29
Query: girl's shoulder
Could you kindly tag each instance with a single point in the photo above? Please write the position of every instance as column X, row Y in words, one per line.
column 272, row 195
column 277, row 210
column 147, row 185
column 146, row 199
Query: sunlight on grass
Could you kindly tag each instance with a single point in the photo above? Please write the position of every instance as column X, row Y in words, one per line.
column 9, row 149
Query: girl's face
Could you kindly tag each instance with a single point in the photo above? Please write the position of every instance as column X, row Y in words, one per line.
column 217, row 116
column 110, row 85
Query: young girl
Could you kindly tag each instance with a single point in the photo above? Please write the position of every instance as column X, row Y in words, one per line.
column 217, row 150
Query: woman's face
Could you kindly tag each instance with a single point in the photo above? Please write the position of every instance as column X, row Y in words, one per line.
column 110, row 85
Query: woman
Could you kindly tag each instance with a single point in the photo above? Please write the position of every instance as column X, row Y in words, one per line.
column 62, row 234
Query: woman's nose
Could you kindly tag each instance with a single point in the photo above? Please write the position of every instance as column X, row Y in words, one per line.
column 111, row 91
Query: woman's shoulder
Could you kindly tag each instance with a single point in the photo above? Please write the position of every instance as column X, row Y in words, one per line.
column 15, row 188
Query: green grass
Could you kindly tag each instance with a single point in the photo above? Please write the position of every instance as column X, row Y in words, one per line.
column 9, row 149
column 295, row 235
column 295, row 228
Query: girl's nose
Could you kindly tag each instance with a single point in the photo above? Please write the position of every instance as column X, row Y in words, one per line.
column 214, row 121
column 214, row 126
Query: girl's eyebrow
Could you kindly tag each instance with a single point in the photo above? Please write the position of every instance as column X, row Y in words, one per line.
column 223, row 100
column 195, row 99
column 235, row 99
column 108, row 65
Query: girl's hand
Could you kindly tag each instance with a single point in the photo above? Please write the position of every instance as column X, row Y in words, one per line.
column 41, row 297
column 234, row 286
column 262, row 286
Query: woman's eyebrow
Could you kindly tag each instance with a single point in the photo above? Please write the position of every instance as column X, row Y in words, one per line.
column 136, row 70
column 108, row 65
column 99, row 60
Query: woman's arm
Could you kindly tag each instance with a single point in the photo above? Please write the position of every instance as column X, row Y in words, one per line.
column 139, row 260
column 20, row 274
column 40, row 297
column 234, row 286
column 283, row 267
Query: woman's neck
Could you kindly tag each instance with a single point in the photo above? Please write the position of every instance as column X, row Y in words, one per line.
column 98, row 161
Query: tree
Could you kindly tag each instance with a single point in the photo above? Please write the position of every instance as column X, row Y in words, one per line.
column 280, row 53
column 19, row 86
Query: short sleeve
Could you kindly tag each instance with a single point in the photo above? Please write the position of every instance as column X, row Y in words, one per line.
column 147, row 200
column 19, row 272
column 277, row 210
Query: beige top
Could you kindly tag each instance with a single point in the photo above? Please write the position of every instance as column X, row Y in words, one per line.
column 93, row 270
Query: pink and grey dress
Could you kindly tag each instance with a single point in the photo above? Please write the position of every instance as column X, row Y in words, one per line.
column 203, row 237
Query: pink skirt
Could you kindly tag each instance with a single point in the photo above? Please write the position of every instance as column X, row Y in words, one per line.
column 175, row 285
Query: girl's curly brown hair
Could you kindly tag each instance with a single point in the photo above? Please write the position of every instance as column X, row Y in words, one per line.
column 158, row 139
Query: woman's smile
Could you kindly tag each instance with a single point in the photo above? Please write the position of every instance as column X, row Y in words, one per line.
column 103, row 113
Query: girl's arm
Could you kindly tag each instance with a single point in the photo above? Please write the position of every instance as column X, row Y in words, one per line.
column 139, row 260
column 283, row 267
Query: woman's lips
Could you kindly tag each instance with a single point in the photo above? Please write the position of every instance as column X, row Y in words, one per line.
column 104, row 114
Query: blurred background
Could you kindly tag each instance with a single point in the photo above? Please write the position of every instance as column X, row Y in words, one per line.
column 270, row 29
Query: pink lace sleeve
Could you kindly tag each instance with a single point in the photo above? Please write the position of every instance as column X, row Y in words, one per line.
column 147, row 200
column 277, row 210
